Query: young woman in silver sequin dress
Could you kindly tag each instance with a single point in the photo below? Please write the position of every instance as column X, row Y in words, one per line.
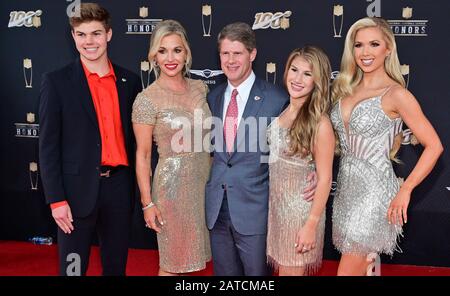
column 170, row 111
column 372, row 103
column 301, row 140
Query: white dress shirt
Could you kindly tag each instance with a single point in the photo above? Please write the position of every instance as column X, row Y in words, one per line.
column 243, row 92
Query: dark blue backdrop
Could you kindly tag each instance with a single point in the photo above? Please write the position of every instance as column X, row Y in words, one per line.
column 423, row 43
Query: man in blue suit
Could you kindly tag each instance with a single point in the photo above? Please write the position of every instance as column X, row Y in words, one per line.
column 238, row 190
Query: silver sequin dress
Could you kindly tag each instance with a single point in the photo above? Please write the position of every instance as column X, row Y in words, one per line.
column 288, row 211
column 366, row 181
column 178, row 187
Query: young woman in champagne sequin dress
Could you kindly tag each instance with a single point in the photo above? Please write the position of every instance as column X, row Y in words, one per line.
column 371, row 105
column 171, row 111
column 301, row 140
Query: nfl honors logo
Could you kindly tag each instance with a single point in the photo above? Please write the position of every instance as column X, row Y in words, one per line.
column 407, row 26
column 29, row 129
column 142, row 25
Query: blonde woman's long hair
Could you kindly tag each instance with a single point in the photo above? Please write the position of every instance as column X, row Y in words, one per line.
column 304, row 128
column 350, row 74
column 163, row 29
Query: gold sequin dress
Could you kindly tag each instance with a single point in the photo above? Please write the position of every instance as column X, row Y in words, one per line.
column 288, row 211
column 182, row 171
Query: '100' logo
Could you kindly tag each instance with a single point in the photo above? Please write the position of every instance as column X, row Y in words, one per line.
column 22, row 18
column 264, row 20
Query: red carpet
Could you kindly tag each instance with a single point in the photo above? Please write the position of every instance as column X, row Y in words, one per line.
column 23, row 258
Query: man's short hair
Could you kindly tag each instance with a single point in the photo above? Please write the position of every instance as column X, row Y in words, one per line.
column 238, row 31
column 91, row 12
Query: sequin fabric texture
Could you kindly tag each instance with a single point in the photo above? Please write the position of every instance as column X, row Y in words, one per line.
column 288, row 211
column 366, row 182
column 182, row 171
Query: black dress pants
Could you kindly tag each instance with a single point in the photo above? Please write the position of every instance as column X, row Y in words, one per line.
column 111, row 220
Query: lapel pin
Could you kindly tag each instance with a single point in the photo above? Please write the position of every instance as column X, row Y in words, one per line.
column 124, row 80
column 257, row 98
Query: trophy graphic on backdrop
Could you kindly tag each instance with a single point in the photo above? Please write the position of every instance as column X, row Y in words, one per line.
column 145, row 67
column 206, row 11
column 271, row 68
column 34, row 175
column 27, row 66
column 405, row 72
column 338, row 10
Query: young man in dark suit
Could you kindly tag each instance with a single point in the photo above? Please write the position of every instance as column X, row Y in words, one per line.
column 86, row 148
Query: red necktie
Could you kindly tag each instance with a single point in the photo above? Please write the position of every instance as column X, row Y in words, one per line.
column 231, row 119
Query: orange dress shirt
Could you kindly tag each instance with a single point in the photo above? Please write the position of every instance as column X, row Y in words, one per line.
column 106, row 102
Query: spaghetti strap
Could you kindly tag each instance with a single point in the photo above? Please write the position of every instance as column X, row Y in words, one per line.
column 386, row 90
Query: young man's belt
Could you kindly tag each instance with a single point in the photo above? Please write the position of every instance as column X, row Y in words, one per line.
column 107, row 171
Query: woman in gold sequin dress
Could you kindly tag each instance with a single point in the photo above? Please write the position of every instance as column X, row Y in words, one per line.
column 172, row 112
column 301, row 139
column 371, row 103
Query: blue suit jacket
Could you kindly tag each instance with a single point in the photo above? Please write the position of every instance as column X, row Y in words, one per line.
column 243, row 174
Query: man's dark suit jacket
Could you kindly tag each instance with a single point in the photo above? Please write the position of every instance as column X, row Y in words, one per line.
column 69, row 140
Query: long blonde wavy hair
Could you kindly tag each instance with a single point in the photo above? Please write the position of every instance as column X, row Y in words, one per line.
column 351, row 75
column 304, row 128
